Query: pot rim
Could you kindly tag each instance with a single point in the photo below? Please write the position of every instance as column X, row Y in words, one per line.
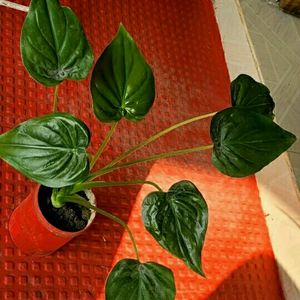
column 90, row 195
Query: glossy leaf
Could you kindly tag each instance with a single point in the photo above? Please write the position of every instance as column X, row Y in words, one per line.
column 53, row 44
column 122, row 82
column 50, row 149
column 245, row 142
column 251, row 95
column 131, row 279
column 178, row 221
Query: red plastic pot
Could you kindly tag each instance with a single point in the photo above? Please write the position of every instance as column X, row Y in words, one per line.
column 32, row 233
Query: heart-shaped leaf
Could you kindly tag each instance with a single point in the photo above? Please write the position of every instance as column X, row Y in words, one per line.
column 251, row 95
column 122, row 82
column 178, row 221
column 131, row 279
column 50, row 149
column 53, row 44
column 245, row 142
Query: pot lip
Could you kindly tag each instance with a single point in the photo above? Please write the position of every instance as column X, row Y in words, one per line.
column 54, row 229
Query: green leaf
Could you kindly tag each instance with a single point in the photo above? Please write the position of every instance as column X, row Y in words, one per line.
column 251, row 95
column 178, row 221
column 245, row 142
column 53, row 44
column 50, row 149
column 122, row 82
column 133, row 280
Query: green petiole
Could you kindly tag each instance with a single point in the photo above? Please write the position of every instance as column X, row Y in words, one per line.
column 55, row 98
column 93, row 184
column 157, row 136
column 103, row 145
column 107, row 170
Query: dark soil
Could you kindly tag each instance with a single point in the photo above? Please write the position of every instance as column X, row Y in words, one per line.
column 71, row 217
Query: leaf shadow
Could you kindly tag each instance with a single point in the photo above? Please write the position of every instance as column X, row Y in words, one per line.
column 246, row 283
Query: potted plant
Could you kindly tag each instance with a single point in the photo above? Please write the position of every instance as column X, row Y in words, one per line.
column 52, row 150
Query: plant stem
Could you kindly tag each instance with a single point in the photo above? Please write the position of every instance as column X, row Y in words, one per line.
column 157, row 136
column 149, row 158
column 55, row 98
column 104, row 144
column 14, row 5
column 92, row 184
column 81, row 201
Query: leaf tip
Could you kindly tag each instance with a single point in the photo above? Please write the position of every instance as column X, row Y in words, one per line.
column 123, row 32
column 202, row 273
column 293, row 138
column 197, row 269
column 122, row 29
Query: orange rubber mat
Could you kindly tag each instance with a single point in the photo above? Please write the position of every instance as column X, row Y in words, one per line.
column 180, row 39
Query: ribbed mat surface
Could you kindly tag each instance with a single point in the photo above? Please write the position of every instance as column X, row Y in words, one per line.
column 180, row 39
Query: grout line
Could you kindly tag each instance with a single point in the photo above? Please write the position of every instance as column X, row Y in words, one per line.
column 293, row 151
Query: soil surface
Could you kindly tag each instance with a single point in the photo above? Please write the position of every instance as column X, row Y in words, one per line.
column 71, row 217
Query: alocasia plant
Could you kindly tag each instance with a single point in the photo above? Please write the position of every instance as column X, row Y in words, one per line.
column 51, row 149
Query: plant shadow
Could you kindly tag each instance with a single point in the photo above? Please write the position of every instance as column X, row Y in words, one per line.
column 246, row 283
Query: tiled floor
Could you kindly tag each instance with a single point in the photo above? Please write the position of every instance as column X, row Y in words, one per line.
column 276, row 40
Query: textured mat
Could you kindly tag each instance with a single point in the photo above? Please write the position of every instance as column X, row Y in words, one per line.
column 180, row 39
